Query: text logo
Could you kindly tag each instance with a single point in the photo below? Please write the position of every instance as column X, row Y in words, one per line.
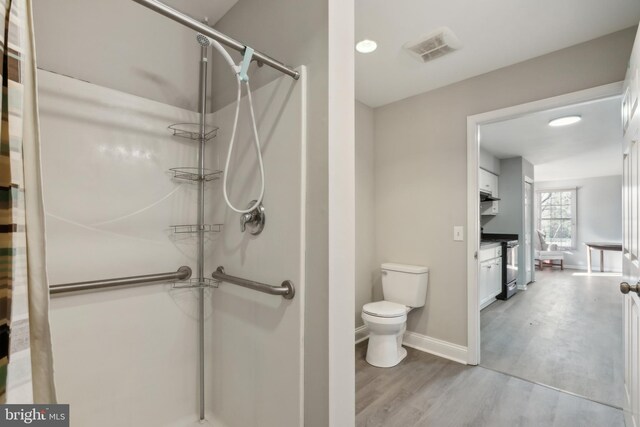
column 34, row 415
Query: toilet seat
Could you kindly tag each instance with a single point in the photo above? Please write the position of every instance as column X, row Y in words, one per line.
column 386, row 309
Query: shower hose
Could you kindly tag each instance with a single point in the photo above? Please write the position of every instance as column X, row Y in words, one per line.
column 256, row 138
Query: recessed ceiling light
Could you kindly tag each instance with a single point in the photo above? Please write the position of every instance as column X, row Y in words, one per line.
column 564, row 121
column 366, row 46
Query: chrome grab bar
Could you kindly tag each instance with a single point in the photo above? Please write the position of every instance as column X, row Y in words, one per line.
column 183, row 273
column 286, row 289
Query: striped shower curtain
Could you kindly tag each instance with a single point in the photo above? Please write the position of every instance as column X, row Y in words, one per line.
column 26, row 373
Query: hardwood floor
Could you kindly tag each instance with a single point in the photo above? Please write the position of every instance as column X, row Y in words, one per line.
column 426, row 390
column 564, row 331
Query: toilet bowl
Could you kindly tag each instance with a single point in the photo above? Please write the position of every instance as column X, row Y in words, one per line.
column 386, row 322
column 404, row 287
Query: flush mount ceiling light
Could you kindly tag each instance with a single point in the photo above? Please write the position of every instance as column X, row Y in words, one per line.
column 366, row 46
column 564, row 121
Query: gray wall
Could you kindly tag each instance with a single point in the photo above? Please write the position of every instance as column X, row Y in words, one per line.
column 298, row 35
column 421, row 166
column 366, row 267
column 120, row 45
column 599, row 218
column 510, row 188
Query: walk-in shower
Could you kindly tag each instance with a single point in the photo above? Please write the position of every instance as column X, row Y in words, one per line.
column 202, row 133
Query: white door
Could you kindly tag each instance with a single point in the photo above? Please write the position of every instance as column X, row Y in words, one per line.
column 528, row 231
column 631, row 239
column 631, row 270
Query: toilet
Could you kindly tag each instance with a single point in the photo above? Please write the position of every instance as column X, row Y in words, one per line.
column 404, row 288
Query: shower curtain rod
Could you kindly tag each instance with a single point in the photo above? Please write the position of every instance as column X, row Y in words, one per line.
column 188, row 21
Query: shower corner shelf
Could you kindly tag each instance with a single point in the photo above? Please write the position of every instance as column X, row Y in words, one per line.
column 194, row 283
column 194, row 228
column 192, row 131
column 193, row 174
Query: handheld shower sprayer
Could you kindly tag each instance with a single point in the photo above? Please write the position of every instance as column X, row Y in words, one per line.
column 241, row 77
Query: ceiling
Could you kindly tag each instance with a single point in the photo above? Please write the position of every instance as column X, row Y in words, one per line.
column 494, row 34
column 589, row 148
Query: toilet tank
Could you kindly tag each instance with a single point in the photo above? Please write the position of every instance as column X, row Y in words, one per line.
column 405, row 284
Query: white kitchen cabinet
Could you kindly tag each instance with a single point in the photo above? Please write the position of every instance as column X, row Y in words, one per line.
column 490, row 279
column 489, row 208
column 488, row 182
column 495, row 279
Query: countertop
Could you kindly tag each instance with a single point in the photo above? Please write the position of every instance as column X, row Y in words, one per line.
column 488, row 245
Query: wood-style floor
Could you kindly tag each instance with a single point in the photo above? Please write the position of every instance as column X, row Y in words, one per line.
column 429, row 391
column 564, row 331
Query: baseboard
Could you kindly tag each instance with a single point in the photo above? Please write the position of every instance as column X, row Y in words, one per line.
column 596, row 269
column 362, row 333
column 437, row 347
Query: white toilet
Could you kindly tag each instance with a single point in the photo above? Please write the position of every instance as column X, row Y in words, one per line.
column 404, row 287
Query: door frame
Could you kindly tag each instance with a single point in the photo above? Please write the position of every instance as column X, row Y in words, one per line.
column 473, row 198
column 532, row 223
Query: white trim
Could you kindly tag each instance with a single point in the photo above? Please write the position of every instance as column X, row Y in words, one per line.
column 488, row 302
column 445, row 349
column 473, row 243
column 303, row 229
column 584, row 268
column 341, row 213
column 362, row 333
column 473, row 199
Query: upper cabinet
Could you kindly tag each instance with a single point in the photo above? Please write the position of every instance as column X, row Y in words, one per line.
column 488, row 182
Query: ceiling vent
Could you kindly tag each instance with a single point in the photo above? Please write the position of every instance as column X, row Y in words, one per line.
column 434, row 45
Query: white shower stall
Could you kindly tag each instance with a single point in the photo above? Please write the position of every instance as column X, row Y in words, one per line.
column 129, row 356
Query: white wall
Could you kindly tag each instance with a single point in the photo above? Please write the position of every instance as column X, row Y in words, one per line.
column 599, row 218
column 110, row 201
column 421, row 166
column 124, row 46
column 298, row 34
column 122, row 357
column 255, row 343
column 366, row 269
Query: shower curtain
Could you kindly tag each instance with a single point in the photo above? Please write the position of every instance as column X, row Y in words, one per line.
column 26, row 367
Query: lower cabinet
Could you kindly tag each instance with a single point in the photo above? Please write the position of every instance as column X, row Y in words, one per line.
column 490, row 281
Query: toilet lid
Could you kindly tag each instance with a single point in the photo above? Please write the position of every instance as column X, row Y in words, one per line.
column 385, row 309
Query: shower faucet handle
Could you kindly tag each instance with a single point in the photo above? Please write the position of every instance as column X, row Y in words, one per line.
column 254, row 219
column 244, row 219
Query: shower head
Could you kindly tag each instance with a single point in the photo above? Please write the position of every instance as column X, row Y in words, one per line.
column 203, row 40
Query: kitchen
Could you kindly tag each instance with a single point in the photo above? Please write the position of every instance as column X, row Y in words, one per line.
column 506, row 192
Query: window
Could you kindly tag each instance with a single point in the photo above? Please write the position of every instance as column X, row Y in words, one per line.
column 557, row 216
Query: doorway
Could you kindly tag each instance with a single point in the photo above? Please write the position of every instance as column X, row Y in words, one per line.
column 560, row 328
